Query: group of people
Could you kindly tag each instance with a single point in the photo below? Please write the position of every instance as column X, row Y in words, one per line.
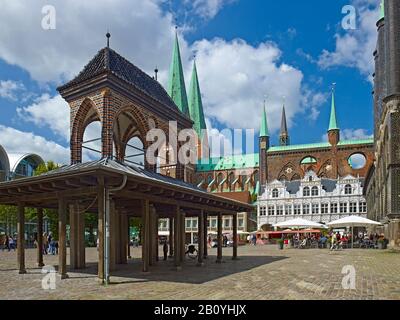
column 252, row 239
column 50, row 245
column 8, row 243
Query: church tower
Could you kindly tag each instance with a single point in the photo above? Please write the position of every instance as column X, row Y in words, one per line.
column 176, row 83
column 264, row 146
column 284, row 139
column 197, row 115
column 333, row 130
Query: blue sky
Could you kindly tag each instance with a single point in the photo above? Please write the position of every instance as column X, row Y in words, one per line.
column 245, row 50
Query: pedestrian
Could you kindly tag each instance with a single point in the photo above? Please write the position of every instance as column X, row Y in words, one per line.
column 45, row 244
column 49, row 241
column 165, row 250
column 6, row 243
column 11, row 242
column 56, row 246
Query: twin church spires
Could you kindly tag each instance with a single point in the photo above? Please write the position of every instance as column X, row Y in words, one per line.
column 192, row 107
column 284, row 139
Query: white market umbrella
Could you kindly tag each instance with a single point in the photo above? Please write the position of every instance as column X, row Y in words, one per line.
column 298, row 223
column 353, row 221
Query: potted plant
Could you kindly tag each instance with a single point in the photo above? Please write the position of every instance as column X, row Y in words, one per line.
column 280, row 243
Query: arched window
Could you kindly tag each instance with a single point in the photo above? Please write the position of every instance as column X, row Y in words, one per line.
column 314, row 191
column 306, row 192
column 348, row 189
column 275, row 193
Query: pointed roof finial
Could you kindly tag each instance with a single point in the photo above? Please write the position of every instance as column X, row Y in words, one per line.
column 264, row 123
column 108, row 35
column 333, row 122
column 156, row 73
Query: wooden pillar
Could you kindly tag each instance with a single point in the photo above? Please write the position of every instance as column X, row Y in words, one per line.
column 156, row 236
column 183, row 236
column 62, row 238
column 152, row 259
column 219, row 249
column 73, row 233
column 177, row 238
column 117, row 233
column 21, row 238
column 81, row 257
column 128, row 221
column 171, row 237
column 100, row 231
column 200, row 238
column 205, row 236
column 113, row 236
column 146, row 235
column 235, row 236
column 124, row 239
column 40, row 237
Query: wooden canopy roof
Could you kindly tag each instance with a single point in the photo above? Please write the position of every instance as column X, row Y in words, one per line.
column 80, row 182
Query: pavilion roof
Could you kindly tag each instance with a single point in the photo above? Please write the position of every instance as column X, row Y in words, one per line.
column 77, row 180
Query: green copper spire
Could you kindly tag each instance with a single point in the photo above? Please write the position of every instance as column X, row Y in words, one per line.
column 264, row 124
column 176, row 84
column 195, row 103
column 333, row 123
column 382, row 12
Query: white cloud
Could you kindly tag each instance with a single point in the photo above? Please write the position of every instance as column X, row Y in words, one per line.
column 355, row 134
column 48, row 111
column 351, row 134
column 355, row 47
column 235, row 76
column 208, row 8
column 15, row 141
column 9, row 89
column 140, row 31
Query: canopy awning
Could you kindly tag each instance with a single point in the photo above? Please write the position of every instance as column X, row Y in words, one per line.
column 298, row 223
column 353, row 221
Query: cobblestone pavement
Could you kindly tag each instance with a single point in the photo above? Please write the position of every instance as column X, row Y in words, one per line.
column 263, row 272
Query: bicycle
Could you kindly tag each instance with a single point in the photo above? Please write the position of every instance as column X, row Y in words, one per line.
column 192, row 252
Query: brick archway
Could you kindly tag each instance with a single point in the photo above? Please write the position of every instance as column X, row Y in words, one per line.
column 86, row 113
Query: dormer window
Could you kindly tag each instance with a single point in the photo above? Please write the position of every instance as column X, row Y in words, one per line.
column 275, row 193
column 310, row 178
column 348, row 189
column 314, row 191
column 306, row 192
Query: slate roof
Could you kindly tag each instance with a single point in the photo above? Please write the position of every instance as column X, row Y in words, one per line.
column 108, row 60
column 123, row 168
